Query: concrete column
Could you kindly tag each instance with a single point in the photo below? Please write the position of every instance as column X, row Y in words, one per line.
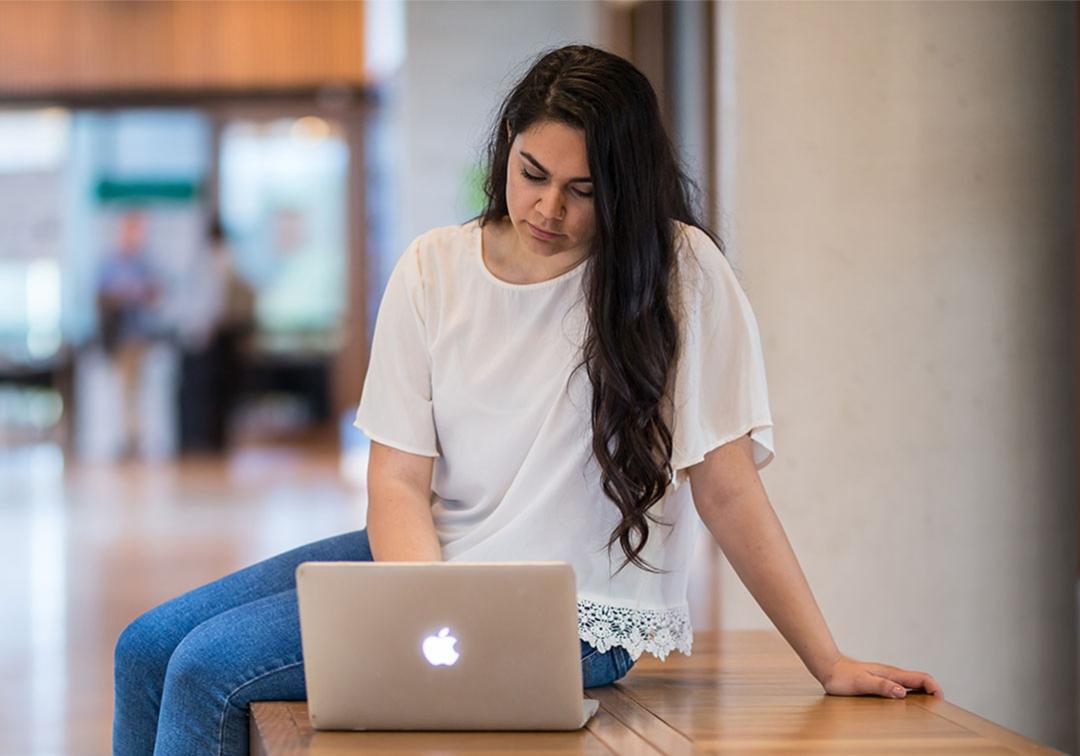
column 898, row 190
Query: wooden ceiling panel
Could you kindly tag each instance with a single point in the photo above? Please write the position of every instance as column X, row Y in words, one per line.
column 112, row 46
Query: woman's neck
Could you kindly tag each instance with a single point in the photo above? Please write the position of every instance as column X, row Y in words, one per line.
column 509, row 262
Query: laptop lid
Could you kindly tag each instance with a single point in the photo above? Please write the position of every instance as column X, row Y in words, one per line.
column 441, row 646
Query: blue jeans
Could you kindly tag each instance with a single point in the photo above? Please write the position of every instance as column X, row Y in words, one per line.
column 187, row 670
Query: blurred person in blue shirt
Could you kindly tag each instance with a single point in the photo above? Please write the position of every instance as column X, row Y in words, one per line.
column 128, row 289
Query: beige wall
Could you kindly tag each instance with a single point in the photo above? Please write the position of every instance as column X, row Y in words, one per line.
column 898, row 189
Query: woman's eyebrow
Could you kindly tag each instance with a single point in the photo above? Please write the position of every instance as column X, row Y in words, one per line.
column 539, row 167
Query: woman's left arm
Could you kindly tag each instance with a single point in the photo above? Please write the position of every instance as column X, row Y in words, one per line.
column 732, row 502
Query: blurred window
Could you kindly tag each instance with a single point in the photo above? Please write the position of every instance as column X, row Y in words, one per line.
column 283, row 196
column 34, row 148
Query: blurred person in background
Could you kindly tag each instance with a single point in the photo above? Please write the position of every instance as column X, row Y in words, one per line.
column 128, row 290
column 234, row 330
column 214, row 342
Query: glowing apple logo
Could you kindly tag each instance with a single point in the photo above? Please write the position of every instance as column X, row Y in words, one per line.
column 439, row 649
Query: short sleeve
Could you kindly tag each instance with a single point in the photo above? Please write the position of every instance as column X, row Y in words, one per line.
column 395, row 405
column 719, row 390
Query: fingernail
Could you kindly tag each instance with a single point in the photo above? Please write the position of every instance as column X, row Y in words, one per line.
column 899, row 692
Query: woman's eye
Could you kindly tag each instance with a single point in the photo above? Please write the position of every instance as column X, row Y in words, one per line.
column 531, row 177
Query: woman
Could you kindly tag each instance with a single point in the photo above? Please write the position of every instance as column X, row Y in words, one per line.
column 543, row 382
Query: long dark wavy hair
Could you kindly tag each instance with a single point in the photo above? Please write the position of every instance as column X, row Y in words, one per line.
column 631, row 341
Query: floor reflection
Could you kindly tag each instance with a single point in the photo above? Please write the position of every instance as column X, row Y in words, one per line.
column 89, row 547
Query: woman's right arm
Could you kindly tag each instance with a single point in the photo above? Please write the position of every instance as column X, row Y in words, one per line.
column 399, row 523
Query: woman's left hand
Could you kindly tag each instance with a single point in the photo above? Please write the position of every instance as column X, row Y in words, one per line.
column 850, row 677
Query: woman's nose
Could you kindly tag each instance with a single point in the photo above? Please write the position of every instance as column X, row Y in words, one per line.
column 551, row 204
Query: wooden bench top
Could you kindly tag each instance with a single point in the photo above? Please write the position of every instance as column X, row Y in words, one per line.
column 741, row 691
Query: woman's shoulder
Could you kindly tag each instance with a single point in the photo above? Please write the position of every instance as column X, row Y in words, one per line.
column 440, row 251
column 704, row 276
column 699, row 257
column 691, row 240
column 449, row 239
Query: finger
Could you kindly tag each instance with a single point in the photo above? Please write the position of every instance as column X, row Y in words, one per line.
column 882, row 686
column 892, row 690
column 934, row 688
column 931, row 686
column 913, row 679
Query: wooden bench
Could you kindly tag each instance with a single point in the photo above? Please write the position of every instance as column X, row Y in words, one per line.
column 741, row 691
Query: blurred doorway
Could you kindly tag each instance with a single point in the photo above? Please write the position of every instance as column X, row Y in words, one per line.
column 284, row 191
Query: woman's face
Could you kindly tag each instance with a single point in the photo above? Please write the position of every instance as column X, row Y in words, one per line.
column 548, row 188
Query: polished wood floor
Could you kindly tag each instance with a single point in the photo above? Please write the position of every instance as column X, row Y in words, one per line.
column 87, row 548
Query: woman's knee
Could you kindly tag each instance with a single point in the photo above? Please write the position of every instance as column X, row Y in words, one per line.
column 198, row 664
column 142, row 650
column 228, row 651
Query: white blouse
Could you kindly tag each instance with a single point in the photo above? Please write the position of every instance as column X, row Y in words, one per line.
column 475, row 371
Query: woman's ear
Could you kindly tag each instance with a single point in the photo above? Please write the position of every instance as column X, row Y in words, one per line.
column 509, row 133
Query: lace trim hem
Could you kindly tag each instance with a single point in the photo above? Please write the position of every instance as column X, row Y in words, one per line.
column 658, row 631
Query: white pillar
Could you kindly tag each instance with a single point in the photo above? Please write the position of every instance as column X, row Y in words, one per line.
column 899, row 190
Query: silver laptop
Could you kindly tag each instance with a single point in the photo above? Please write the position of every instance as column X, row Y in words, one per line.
column 441, row 646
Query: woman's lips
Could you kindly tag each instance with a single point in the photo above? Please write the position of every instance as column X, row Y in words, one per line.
column 540, row 234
